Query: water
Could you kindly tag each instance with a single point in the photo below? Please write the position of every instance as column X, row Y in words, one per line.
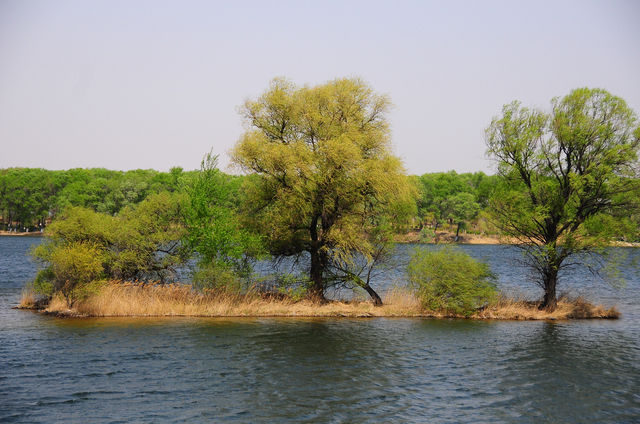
column 320, row 370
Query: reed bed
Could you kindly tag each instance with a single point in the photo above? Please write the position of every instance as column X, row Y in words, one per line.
column 115, row 299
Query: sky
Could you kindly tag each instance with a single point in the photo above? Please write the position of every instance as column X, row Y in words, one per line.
column 156, row 84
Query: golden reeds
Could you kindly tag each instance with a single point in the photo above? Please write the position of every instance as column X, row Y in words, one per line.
column 126, row 299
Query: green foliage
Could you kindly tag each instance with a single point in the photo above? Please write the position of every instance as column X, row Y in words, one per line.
column 427, row 235
column 141, row 243
column 443, row 194
column 564, row 173
column 43, row 283
column 25, row 196
column 326, row 175
column 29, row 196
column 214, row 229
column 219, row 278
column 71, row 268
column 294, row 287
column 451, row 281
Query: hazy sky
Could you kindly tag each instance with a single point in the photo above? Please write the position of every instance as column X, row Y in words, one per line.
column 155, row 84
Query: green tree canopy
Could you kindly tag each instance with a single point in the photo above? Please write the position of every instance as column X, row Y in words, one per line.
column 562, row 170
column 326, row 174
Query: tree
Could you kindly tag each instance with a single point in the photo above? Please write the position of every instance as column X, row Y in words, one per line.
column 213, row 228
column 443, row 193
column 560, row 171
column 461, row 207
column 327, row 177
column 73, row 266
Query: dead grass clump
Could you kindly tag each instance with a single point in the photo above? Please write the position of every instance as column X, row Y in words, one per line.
column 29, row 299
column 584, row 309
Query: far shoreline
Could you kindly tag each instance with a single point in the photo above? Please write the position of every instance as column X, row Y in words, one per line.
column 22, row 234
column 411, row 237
column 448, row 237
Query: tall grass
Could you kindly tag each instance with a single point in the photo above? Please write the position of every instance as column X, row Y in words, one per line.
column 124, row 299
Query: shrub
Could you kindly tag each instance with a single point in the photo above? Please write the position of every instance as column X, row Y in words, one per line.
column 293, row 286
column 72, row 267
column 218, row 278
column 427, row 235
column 451, row 281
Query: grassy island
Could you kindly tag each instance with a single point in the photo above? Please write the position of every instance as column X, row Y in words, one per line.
column 116, row 299
column 324, row 192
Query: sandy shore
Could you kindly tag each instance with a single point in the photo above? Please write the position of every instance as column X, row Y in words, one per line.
column 24, row 234
column 447, row 237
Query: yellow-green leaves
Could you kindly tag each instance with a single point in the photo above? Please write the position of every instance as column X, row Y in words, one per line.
column 327, row 175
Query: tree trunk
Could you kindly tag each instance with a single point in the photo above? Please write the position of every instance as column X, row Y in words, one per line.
column 377, row 301
column 550, row 279
column 458, row 231
column 316, row 291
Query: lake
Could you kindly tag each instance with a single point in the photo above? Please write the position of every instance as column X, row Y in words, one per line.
column 323, row 370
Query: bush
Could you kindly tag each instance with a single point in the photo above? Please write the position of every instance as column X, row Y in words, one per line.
column 427, row 235
column 72, row 267
column 218, row 278
column 449, row 280
column 293, row 286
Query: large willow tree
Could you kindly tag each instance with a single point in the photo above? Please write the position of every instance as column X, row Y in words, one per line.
column 562, row 173
column 328, row 183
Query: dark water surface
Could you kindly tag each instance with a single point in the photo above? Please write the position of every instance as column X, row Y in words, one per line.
column 321, row 370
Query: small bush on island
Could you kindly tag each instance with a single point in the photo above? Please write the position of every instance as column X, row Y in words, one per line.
column 73, row 267
column 451, row 281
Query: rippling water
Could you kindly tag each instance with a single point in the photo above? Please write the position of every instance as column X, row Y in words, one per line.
column 320, row 370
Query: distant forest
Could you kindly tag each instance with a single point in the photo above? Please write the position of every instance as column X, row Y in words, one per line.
column 445, row 201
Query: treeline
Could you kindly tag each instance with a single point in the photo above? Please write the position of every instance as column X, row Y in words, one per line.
column 31, row 197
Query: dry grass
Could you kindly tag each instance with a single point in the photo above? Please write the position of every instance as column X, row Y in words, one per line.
column 117, row 299
column 30, row 300
column 122, row 300
column 568, row 308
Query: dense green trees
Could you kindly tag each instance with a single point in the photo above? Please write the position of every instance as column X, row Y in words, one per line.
column 327, row 177
column 26, row 196
column 563, row 172
column 29, row 196
column 452, row 197
column 141, row 243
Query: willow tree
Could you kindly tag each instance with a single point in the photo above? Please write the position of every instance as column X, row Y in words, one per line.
column 327, row 183
column 562, row 171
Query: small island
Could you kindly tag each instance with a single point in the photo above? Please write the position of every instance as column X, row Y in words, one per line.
column 323, row 190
